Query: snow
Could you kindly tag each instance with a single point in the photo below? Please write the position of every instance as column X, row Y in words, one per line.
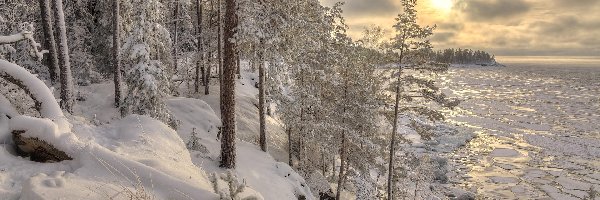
column 571, row 184
column 134, row 153
column 49, row 107
column 138, row 155
column 6, row 107
column 503, row 152
column 48, row 131
column 272, row 179
column 534, row 125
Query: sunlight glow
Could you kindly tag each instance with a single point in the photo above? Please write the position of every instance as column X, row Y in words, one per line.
column 443, row 5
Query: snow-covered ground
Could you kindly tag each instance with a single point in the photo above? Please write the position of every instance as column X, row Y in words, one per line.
column 537, row 130
column 142, row 157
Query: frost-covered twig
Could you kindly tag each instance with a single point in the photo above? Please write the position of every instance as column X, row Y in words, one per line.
column 25, row 34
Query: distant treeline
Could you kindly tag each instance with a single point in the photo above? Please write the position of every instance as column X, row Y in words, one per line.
column 462, row 56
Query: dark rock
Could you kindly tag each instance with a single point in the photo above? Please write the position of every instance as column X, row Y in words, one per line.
column 37, row 150
column 326, row 195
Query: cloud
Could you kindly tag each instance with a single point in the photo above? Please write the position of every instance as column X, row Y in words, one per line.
column 501, row 27
column 560, row 26
column 491, row 10
column 450, row 26
column 442, row 37
column 576, row 4
column 367, row 7
column 569, row 28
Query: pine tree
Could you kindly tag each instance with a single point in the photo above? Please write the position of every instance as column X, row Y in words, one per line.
column 412, row 44
column 261, row 99
column 51, row 60
column 117, row 79
column 147, row 50
column 66, row 79
column 256, row 34
column 200, row 47
column 214, row 34
column 228, row 152
column 80, row 25
column 176, row 34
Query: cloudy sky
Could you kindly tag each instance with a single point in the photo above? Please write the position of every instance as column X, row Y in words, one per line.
column 502, row 27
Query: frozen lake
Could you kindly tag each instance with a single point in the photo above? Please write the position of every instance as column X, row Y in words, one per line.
column 537, row 123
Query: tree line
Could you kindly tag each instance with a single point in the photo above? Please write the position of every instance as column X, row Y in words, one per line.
column 463, row 56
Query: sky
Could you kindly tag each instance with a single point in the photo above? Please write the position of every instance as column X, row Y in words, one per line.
column 501, row 27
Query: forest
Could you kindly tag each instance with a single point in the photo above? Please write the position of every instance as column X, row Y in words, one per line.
column 341, row 113
column 463, row 56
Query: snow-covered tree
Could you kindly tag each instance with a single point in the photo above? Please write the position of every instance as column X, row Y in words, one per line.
column 49, row 40
column 116, row 51
column 411, row 44
column 258, row 35
column 200, row 53
column 147, row 54
column 13, row 14
column 80, row 25
column 66, row 79
column 186, row 54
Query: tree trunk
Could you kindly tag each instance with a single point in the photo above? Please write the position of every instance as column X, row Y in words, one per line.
column 393, row 143
column 394, row 128
column 343, row 156
column 342, row 173
column 237, row 54
column 333, row 168
column 116, row 53
column 220, row 52
column 49, row 40
column 207, row 73
column 209, row 56
column 261, row 97
column 301, row 126
column 289, row 134
column 66, row 79
column 219, row 40
column 228, row 152
column 200, row 62
column 175, row 34
column 323, row 163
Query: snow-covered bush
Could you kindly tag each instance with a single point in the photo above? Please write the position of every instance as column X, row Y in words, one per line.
column 234, row 187
column 194, row 143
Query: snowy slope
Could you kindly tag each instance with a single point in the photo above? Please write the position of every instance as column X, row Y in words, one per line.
column 139, row 157
column 272, row 179
column 269, row 176
column 135, row 156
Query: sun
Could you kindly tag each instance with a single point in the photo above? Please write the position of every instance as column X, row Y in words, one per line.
column 443, row 5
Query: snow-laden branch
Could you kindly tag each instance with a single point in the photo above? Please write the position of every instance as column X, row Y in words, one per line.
column 25, row 34
column 44, row 100
column 13, row 38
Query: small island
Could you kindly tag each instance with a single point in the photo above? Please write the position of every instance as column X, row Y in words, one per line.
column 464, row 57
